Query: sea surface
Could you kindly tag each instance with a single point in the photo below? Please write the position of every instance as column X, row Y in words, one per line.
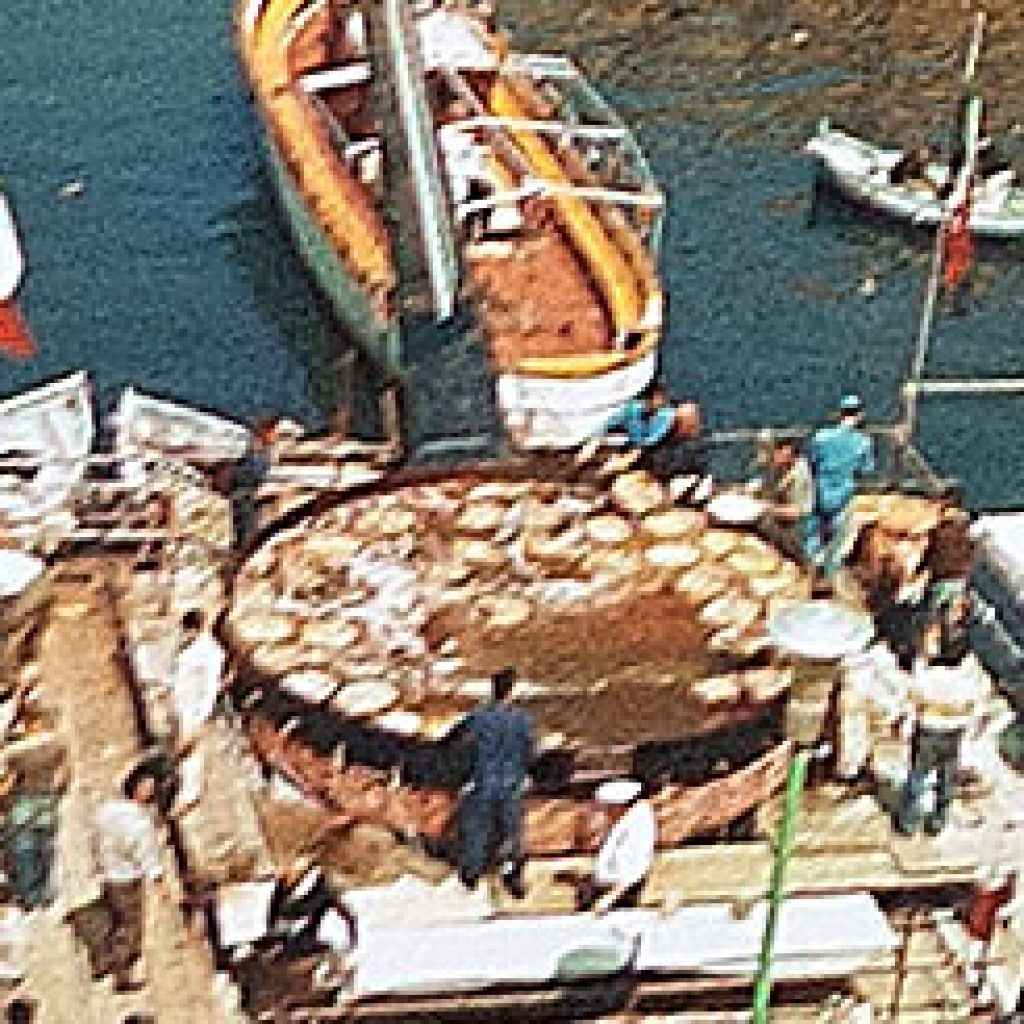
column 172, row 272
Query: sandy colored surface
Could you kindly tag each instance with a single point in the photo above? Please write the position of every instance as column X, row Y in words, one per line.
column 82, row 681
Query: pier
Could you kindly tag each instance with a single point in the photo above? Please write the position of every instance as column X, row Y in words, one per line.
column 96, row 681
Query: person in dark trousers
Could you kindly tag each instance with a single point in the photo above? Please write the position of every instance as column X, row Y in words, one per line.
column 21, row 1011
column 302, row 898
column 501, row 742
column 246, row 477
column 127, row 856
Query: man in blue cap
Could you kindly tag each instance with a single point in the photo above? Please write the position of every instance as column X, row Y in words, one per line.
column 839, row 455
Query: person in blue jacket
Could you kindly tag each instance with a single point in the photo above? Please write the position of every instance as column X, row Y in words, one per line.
column 657, row 435
column 840, row 455
column 645, row 422
column 491, row 814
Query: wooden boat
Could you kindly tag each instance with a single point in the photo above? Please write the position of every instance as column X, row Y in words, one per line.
column 861, row 171
column 555, row 825
column 533, row 198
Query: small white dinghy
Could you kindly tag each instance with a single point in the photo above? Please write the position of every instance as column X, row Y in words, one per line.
column 12, row 257
column 52, row 425
column 155, row 425
column 861, row 171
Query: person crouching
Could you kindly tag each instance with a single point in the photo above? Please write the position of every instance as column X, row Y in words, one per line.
column 625, row 857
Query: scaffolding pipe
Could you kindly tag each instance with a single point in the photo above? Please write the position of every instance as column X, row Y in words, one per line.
column 977, row 386
column 784, row 848
column 958, row 197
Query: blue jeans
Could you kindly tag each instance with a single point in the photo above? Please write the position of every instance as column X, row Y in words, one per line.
column 938, row 751
column 825, row 538
column 32, row 853
column 490, row 822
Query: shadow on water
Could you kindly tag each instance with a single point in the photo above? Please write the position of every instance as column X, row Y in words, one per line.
column 339, row 374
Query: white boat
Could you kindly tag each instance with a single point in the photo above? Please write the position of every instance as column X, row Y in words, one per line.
column 534, row 199
column 154, row 425
column 861, row 171
column 55, row 421
column 50, row 428
column 12, row 258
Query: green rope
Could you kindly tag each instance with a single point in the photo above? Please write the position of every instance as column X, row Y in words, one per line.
column 783, row 849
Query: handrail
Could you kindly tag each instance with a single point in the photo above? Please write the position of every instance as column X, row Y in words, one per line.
column 541, row 187
column 961, row 191
column 584, row 131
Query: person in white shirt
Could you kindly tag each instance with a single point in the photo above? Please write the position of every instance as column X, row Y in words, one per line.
column 944, row 701
column 126, row 854
column 195, row 684
column 626, row 855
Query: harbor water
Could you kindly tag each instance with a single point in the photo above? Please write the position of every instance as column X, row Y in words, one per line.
column 172, row 271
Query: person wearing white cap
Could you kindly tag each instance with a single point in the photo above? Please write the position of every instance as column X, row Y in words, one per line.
column 626, row 855
column 839, row 455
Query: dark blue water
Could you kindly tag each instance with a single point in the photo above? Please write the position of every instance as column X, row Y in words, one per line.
column 172, row 271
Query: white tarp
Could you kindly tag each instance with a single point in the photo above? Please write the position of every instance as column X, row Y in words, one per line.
column 483, row 954
column 412, row 902
column 243, row 911
column 816, row 936
column 1001, row 539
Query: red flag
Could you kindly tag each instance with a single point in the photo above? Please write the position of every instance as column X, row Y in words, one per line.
column 958, row 248
column 16, row 341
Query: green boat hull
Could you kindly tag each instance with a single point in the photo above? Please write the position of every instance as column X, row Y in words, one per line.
column 380, row 339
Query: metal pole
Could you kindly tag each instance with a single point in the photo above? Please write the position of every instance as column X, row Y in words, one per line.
column 958, row 195
column 784, row 848
column 923, row 335
column 975, row 47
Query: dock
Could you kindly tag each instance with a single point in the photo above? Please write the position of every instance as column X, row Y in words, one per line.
column 103, row 650
column 84, row 680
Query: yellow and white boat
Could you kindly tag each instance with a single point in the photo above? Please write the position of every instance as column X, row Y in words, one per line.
column 535, row 204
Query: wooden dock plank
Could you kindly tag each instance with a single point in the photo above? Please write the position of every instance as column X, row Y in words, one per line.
column 82, row 680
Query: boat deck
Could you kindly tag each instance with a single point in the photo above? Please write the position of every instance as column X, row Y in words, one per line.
column 536, row 299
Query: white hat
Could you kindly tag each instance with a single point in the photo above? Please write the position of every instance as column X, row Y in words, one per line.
column 617, row 792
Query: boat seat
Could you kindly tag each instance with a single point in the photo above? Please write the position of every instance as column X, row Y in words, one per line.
column 503, row 220
column 342, row 77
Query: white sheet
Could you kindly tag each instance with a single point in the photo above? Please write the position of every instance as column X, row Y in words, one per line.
column 413, row 903
column 816, row 936
column 483, row 954
column 243, row 910
column 1001, row 537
